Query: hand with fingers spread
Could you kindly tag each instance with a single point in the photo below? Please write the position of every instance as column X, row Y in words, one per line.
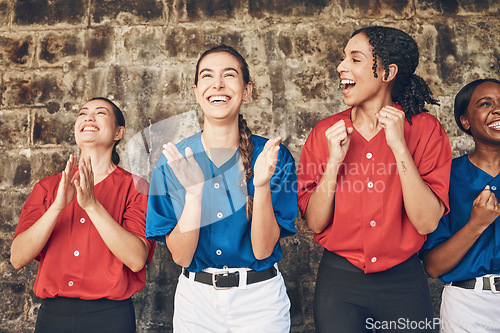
column 85, row 186
column 392, row 121
column 66, row 189
column 265, row 164
column 338, row 137
column 485, row 209
column 187, row 170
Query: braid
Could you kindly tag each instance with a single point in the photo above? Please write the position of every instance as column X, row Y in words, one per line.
column 393, row 46
column 246, row 149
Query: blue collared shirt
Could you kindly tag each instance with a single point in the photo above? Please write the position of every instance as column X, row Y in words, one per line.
column 466, row 182
column 224, row 239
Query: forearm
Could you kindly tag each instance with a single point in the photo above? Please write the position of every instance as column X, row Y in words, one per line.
column 320, row 208
column 422, row 205
column 28, row 244
column 130, row 249
column 265, row 230
column 183, row 240
column 447, row 255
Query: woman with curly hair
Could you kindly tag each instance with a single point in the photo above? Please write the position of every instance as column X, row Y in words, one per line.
column 463, row 251
column 221, row 200
column 373, row 183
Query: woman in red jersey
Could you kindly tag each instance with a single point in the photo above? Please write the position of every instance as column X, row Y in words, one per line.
column 86, row 227
column 373, row 181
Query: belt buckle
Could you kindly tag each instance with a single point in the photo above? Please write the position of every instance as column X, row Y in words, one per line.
column 214, row 281
column 493, row 286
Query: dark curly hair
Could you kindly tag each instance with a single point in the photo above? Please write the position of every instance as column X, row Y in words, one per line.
column 462, row 100
column 393, row 46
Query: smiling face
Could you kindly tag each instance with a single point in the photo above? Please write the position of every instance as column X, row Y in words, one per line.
column 483, row 114
column 220, row 87
column 96, row 124
column 356, row 72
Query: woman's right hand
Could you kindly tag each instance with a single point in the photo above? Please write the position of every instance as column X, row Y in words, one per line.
column 338, row 137
column 66, row 189
column 485, row 209
column 187, row 170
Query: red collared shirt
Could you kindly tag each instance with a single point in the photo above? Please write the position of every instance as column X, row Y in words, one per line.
column 370, row 226
column 76, row 262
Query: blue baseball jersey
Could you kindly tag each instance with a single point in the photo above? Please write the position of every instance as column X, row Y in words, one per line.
column 224, row 239
column 466, row 182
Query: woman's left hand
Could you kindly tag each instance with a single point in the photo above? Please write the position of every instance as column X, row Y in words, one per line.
column 266, row 162
column 392, row 121
column 85, row 186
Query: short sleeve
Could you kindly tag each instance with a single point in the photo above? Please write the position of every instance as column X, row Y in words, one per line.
column 284, row 193
column 433, row 158
column 165, row 203
column 438, row 236
column 134, row 216
column 310, row 170
column 34, row 207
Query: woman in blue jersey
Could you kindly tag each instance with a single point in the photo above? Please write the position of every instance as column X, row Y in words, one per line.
column 221, row 200
column 464, row 251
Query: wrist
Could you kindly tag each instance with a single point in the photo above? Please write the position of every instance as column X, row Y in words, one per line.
column 475, row 227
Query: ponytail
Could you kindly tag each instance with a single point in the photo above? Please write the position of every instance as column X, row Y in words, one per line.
column 246, row 149
column 412, row 93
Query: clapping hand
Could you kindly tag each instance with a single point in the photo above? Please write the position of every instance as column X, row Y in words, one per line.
column 187, row 170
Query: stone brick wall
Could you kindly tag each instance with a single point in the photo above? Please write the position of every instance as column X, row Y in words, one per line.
column 56, row 54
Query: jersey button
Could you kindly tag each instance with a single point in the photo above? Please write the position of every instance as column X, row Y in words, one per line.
column 369, row 155
column 219, row 215
column 216, row 185
column 76, row 253
column 374, row 259
column 70, row 283
column 493, row 188
column 218, row 252
column 373, row 223
column 82, row 220
column 370, row 185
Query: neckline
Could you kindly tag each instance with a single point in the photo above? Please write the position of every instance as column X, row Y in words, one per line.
column 359, row 133
column 223, row 166
column 478, row 168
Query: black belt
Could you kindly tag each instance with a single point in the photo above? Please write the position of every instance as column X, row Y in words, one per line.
column 225, row 280
column 491, row 283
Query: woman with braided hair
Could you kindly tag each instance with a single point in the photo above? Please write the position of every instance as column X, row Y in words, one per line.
column 221, row 200
column 374, row 181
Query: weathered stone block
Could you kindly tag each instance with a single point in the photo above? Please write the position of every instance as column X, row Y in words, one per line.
column 47, row 162
column 99, row 46
column 32, row 88
column 16, row 168
column 144, row 45
column 182, row 42
column 16, row 50
column 216, row 9
column 11, row 203
column 127, row 12
column 5, row 6
column 53, row 128
column 13, row 296
column 262, row 8
column 428, row 8
column 377, row 9
column 14, row 128
column 58, row 48
column 45, row 12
